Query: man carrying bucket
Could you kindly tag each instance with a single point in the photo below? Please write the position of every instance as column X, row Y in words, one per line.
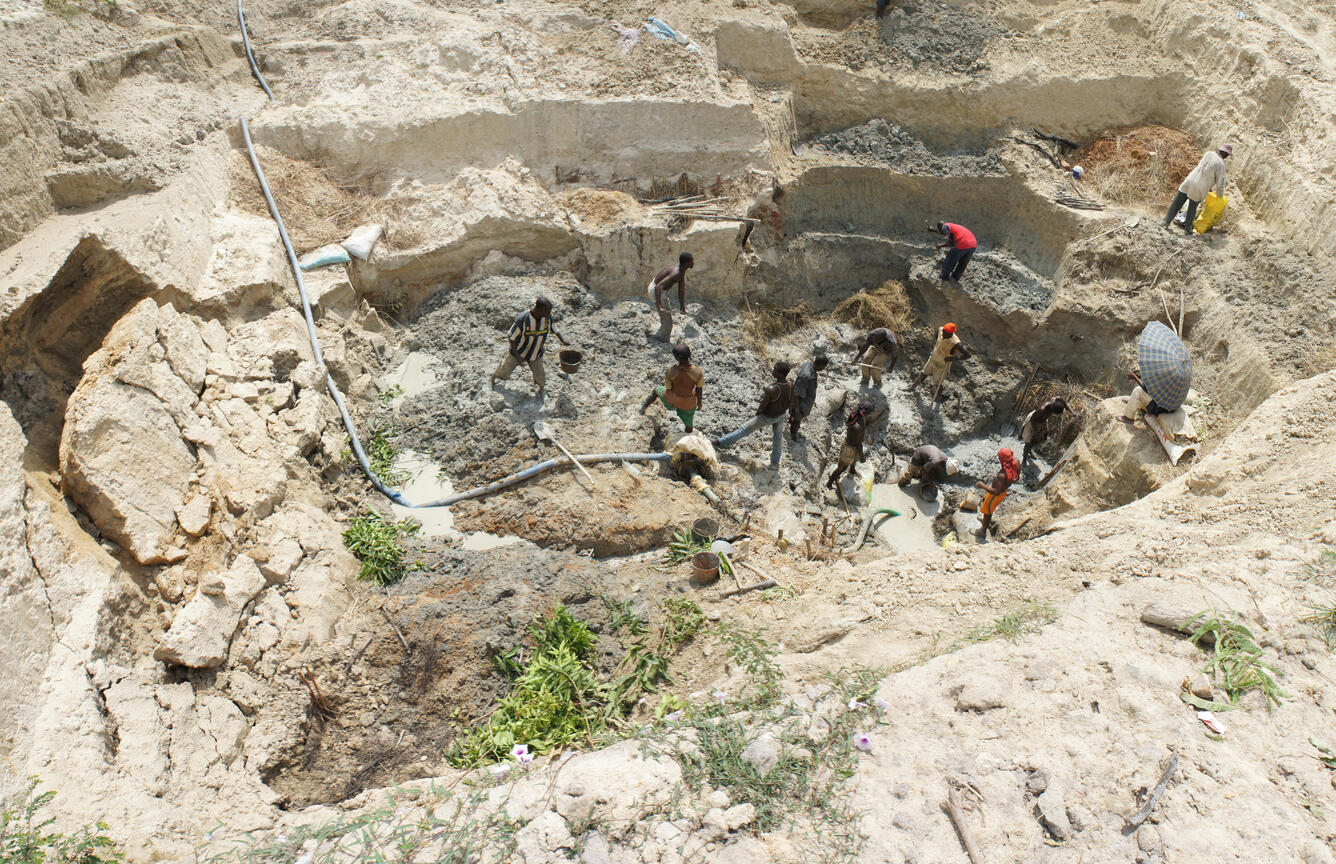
column 1210, row 171
column 528, row 338
column 682, row 388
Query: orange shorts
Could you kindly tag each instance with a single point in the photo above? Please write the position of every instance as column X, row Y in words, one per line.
column 990, row 502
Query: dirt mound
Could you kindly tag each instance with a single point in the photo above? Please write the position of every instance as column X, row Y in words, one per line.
column 407, row 675
column 879, row 141
column 318, row 208
column 621, row 515
column 1138, row 164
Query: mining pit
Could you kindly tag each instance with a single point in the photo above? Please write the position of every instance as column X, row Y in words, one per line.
column 189, row 642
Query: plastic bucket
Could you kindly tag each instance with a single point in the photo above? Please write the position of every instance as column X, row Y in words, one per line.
column 705, row 528
column 570, row 360
column 704, row 568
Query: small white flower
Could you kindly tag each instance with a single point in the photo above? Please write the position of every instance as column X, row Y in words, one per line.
column 863, row 741
column 522, row 754
column 499, row 771
column 854, row 704
column 674, row 718
column 719, row 694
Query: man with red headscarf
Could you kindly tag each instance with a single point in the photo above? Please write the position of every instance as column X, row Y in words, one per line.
column 996, row 493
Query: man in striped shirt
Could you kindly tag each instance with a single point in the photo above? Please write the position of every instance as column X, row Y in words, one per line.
column 528, row 338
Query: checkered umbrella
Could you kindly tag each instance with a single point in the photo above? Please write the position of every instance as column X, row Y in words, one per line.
column 1166, row 368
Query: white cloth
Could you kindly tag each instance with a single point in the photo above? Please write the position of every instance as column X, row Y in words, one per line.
column 1137, row 401
column 1210, row 171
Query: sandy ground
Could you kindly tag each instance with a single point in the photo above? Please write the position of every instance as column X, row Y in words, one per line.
column 517, row 150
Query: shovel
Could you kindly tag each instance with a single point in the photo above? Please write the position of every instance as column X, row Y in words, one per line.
column 1129, row 222
column 547, row 436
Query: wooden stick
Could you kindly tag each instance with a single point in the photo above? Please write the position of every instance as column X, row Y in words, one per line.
column 952, row 808
column 1180, row 309
column 397, row 631
column 568, row 455
column 757, row 570
column 1049, row 475
column 733, row 592
column 1173, row 619
column 1168, row 319
column 1144, row 813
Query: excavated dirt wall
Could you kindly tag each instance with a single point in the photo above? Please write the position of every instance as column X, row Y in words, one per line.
column 192, row 644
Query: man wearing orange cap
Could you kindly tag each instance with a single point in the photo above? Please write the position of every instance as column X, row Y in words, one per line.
column 947, row 349
column 997, row 493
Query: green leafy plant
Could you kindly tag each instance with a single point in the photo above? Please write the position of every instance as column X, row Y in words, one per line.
column 1021, row 621
column 649, row 662
column 810, row 779
column 756, row 656
column 26, row 838
column 1236, row 664
column 435, row 824
column 374, row 539
column 1321, row 571
column 683, row 547
column 389, row 394
column 1323, row 617
column 557, row 698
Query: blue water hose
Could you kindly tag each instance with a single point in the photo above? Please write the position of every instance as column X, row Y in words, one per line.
column 355, row 442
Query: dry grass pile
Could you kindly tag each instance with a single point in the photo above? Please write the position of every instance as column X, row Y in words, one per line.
column 1136, row 165
column 764, row 324
column 317, row 209
column 601, row 206
column 884, row 306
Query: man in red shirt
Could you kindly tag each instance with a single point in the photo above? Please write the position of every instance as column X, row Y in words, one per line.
column 962, row 244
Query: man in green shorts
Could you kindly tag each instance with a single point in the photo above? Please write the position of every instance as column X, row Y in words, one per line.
column 682, row 388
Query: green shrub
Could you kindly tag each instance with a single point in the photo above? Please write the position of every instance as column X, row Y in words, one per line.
column 375, row 541
column 26, row 838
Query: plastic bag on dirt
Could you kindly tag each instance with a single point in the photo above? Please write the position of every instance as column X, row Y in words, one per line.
column 697, row 445
column 324, row 257
column 663, row 31
column 1211, row 211
column 360, row 243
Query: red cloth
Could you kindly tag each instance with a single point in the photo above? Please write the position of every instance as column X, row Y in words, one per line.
column 1010, row 466
column 961, row 237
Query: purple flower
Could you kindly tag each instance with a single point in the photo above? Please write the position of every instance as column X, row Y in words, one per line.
column 881, row 704
column 673, row 718
column 499, row 771
column 719, row 694
column 521, row 754
column 863, row 741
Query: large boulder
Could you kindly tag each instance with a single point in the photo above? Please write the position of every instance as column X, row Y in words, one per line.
column 202, row 631
column 122, row 457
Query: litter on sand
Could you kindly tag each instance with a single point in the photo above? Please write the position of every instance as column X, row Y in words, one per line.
column 630, row 37
column 663, row 31
column 324, row 257
column 363, row 239
column 1208, row 719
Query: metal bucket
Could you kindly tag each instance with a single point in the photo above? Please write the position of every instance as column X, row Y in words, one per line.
column 570, row 360
column 705, row 528
column 704, row 568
